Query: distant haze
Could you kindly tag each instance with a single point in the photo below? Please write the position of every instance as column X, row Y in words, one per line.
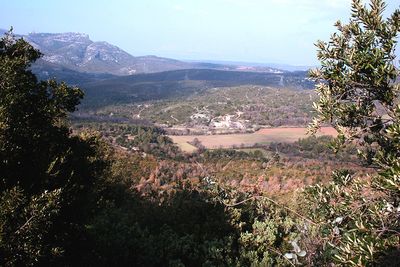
column 262, row 31
column 281, row 66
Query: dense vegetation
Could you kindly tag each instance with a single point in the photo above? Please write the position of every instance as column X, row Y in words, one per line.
column 149, row 139
column 178, row 83
column 248, row 107
column 359, row 97
column 70, row 198
column 49, row 179
column 316, row 148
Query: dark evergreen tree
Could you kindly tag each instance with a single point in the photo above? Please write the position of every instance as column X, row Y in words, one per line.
column 47, row 176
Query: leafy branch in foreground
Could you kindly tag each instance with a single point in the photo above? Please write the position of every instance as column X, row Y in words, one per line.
column 49, row 179
column 359, row 96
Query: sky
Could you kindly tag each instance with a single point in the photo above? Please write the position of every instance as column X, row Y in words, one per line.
column 262, row 31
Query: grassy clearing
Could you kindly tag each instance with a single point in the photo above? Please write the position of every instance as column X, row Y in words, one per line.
column 263, row 136
column 186, row 147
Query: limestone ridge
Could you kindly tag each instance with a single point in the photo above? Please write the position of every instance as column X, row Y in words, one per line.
column 77, row 52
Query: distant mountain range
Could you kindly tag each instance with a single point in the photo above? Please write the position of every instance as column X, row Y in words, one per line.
column 75, row 51
column 255, row 65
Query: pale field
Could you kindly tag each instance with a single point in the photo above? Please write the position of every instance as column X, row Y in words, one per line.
column 186, row 147
column 263, row 136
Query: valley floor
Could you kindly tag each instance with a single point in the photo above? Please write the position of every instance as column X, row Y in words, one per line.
column 261, row 137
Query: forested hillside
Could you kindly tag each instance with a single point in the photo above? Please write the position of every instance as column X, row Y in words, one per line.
column 173, row 84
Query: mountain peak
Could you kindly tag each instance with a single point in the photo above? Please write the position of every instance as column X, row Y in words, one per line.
column 69, row 37
column 77, row 52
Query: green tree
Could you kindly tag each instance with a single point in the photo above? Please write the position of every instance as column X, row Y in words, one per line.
column 359, row 96
column 47, row 177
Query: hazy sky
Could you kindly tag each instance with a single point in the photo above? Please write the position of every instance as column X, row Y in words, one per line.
column 280, row 31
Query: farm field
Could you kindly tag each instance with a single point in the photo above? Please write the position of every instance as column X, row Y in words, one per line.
column 186, row 147
column 263, row 136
